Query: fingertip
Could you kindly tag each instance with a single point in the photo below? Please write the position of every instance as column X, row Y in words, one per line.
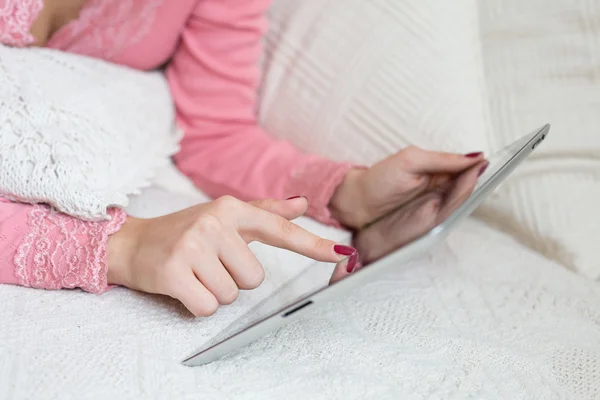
column 298, row 204
column 459, row 162
column 302, row 200
column 296, row 197
column 206, row 309
column 345, row 267
column 290, row 208
column 343, row 250
column 195, row 296
column 340, row 270
column 482, row 169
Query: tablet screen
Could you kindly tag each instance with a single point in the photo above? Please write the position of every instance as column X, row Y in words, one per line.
column 392, row 232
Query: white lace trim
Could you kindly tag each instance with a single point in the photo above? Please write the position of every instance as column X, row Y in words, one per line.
column 78, row 133
column 61, row 251
column 16, row 18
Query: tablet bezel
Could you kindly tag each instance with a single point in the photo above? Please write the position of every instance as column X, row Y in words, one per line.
column 407, row 253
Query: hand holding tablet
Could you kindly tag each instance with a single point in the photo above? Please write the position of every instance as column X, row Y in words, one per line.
column 402, row 234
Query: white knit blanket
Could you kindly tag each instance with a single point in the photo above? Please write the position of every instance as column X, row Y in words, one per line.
column 71, row 131
column 480, row 317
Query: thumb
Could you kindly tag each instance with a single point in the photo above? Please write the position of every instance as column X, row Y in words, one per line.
column 419, row 161
column 345, row 267
column 289, row 209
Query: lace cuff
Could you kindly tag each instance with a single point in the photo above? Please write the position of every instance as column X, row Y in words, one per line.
column 318, row 182
column 16, row 18
column 61, row 251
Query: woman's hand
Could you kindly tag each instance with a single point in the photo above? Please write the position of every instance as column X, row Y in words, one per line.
column 200, row 255
column 365, row 195
column 414, row 219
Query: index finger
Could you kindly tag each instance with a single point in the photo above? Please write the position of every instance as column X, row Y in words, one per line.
column 274, row 230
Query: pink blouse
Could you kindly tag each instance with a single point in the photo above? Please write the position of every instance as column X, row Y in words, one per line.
column 211, row 49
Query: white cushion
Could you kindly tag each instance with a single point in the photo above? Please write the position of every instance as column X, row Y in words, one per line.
column 79, row 133
column 542, row 63
column 356, row 80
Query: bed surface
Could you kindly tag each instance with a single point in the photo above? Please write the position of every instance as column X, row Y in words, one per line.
column 479, row 317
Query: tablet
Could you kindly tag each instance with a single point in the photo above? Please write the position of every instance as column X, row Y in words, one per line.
column 400, row 236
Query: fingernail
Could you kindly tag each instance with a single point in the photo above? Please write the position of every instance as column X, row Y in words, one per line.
column 482, row 170
column 344, row 250
column 474, row 155
column 294, row 197
column 352, row 263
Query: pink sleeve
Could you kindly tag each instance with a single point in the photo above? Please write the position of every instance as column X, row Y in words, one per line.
column 16, row 19
column 214, row 77
column 44, row 249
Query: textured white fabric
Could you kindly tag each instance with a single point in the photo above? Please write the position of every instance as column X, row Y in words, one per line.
column 79, row 133
column 481, row 317
column 542, row 64
column 356, row 80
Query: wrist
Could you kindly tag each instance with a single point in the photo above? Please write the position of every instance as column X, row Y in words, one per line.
column 121, row 249
column 347, row 203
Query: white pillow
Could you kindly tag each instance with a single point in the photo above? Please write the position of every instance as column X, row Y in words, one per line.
column 542, row 63
column 357, row 80
column 79, row 133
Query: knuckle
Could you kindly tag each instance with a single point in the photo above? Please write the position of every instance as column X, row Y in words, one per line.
column 186, row 244
column 431, row 207
column 206, row 224
column 322, row 244
column 287, row 228
column 411, row 151
column 408, row 157
column 226, row 204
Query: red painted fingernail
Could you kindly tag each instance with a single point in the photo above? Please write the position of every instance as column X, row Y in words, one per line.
column 358, row 266
column 482, row 170
column 344, row 250
column 474, row 155
column 352, row 263
column 294, row 197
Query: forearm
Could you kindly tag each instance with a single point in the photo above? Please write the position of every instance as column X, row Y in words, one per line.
column 214, row 77
column 246, row 163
